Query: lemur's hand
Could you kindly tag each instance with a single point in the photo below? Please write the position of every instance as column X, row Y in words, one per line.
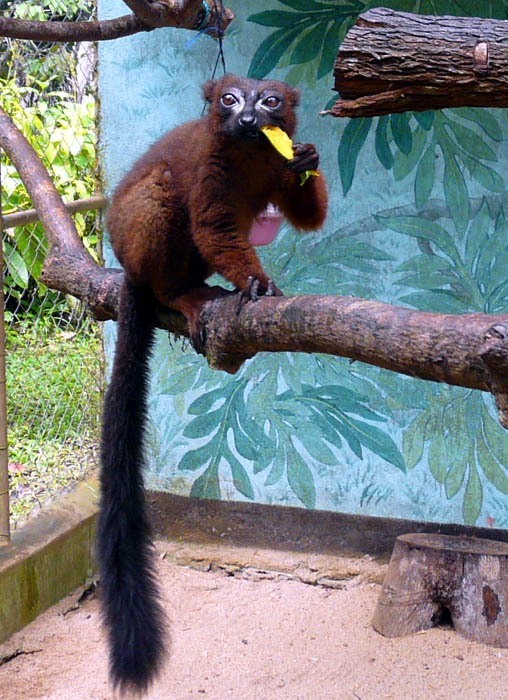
column 305, row 157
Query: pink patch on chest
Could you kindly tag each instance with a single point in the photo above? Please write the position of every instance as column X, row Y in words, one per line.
column 266, row 226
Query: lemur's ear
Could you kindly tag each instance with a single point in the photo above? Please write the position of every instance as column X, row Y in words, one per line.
column 208, row 90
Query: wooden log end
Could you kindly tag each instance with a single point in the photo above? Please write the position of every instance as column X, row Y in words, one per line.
column 464, row 579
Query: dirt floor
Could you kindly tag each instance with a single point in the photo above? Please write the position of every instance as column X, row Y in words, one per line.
column 244, row 633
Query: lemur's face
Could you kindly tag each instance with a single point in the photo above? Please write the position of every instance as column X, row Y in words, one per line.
column 241, row 106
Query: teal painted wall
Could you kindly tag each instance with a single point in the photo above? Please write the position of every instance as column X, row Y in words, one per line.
column 417, row 218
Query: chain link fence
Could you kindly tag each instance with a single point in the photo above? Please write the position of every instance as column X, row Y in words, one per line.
column 53, row 349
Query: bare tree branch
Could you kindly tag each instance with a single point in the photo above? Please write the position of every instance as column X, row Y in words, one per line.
column 71, row 31
column 397, row 61
column 469, row 350
column 187, row 14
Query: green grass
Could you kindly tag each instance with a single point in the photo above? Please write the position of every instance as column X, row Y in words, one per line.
column 54, row 396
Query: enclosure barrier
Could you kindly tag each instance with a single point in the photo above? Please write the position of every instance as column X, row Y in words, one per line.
column 5, row 533
column 25, row 218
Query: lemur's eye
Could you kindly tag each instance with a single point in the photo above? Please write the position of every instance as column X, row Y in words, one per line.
column 228, row 100
column 272, row 101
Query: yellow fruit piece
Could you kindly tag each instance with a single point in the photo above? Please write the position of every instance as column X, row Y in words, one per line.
column 279, row 140
column 283, row 144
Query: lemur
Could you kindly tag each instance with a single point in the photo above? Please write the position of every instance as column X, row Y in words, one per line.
column 183, row 211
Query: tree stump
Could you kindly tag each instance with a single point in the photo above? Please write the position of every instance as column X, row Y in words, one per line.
column 432, row 578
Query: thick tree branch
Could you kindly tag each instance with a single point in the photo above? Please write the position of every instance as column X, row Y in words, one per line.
column 396, row 61
column 469, row 350
column 186, row 14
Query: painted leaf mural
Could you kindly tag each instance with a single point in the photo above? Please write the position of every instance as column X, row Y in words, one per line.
column 417, row 217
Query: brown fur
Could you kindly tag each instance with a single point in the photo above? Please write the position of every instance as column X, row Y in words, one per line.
column 186, row 207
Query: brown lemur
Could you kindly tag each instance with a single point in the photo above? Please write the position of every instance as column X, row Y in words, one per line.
column 183, row 211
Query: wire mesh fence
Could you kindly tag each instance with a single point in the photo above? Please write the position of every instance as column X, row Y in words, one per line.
column 53, row 349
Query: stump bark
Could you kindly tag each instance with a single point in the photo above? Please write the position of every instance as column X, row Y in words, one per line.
column 432, row 578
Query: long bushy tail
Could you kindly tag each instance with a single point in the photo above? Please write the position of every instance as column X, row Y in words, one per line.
column 130, row 599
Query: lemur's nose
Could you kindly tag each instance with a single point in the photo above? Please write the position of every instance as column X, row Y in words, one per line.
column 248, row 119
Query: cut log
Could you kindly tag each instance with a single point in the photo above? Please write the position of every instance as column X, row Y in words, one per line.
column 432, row 578
column 394, row 61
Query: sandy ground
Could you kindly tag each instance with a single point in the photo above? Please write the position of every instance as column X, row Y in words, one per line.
column 255, row 636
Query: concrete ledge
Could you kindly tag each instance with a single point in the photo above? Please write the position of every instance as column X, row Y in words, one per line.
column 49, row 556
column 259, row 526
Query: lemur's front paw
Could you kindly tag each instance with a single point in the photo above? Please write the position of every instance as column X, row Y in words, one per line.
column 256, row 289
column 305, row 158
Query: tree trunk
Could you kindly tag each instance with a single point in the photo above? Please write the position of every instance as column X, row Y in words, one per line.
column 435, row 578
column 396, row 61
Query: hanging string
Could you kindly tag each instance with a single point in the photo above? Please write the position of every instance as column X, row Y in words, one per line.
column 219, row 13
column 215, row 29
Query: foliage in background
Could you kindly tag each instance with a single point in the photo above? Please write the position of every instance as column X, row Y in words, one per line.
column 53, row 407
column 54, row 367
column 42, row 90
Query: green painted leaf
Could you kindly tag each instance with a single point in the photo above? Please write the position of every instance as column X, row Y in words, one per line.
column 207, row 485
column 276, row 473
column 496, row 441
column 204, row 402
column 497, row 301
column 178, row 382
column 276, row 18
column 477, row 233
column 304, row 6
column 438, row 457
column 425, row 119
column 271, row 50
column 428, row 280
column 331, row 428
column 456, row 194
column 413, row 440
column 309, row 44
column 317, row 447
column 470, row 142
column 250, row 440
column 342, row 426
column 383, row 150
column 195, row 459
column 263, row 391
column 378, row 442
column 241, row 479
column 473, row 497
column 301, row 479
column 351, row 143
column 486, row 176
column 424, row 177
column 204, row 425
column 401, row 132
column 405, row 164
column 329, row 50
column 439, row 300
column 493, row 470
column 484, row 118
column 424, row 263
column 455, row 476
column 418, row 227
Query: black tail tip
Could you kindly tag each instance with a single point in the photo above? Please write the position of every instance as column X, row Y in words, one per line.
column 133, row 677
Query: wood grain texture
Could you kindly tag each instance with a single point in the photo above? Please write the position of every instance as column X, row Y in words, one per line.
column 397, row 61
